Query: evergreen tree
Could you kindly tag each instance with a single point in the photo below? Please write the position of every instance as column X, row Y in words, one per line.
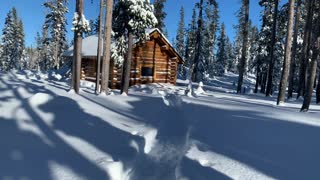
column 245, row 28
column 314, row 44
column 198, row 68
column 295, row 45
column 190, row 41
column 12, row 43
column 230, row 55
column 222, row 55
column 56, row 24
column 160, row 14
column 180, row 44
column 211, row 24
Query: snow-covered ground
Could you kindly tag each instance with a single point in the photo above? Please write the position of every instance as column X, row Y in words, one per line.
column 155, row 133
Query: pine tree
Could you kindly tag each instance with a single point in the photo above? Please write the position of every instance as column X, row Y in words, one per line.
column 315, row 48
column 286, row 64
column 305, row 49
column 272, row 47
column 245, row 29
column 99, row 50
column 56, row 24
column 12, row 43
column 190, row 42
column 211, row 23
column 294, row 49
column 230, row 55
column 180, row 44
column 196, row 74
column 131, row 18
column 222, row 56
column 160, row 14
column 106, row 47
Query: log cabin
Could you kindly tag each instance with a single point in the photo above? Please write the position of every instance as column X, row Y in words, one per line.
column 153, row 61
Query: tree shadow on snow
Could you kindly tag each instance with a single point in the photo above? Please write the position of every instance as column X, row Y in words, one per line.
column 26, row 155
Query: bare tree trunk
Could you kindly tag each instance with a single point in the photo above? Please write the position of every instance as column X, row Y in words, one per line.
column 305, row 50
column 257, row 79
column 107, row 47
column 125, row 82
column 311, row 78
column 286, row 64
column 273, row 41
column 263, row 82
column 56, row 60
column 315, row 43
column 77, row 50
column 98, row 76
column 294, row 49
column 244, row 46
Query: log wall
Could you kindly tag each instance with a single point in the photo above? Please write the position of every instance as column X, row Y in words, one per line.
column 151, row 54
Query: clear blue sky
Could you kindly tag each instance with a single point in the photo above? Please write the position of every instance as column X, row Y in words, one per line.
column 32, row 13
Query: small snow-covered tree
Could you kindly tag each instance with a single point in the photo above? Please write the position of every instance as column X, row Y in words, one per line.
column 131, row 18
column 12, row 42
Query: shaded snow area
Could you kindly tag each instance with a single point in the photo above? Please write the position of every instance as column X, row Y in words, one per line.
column 157, row 132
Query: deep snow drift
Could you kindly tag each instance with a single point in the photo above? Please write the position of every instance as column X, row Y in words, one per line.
column 157, row 132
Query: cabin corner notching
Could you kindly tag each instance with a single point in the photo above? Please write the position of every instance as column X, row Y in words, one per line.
column 153, row 61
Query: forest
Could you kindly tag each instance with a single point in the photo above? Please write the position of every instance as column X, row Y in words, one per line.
column 282, row 54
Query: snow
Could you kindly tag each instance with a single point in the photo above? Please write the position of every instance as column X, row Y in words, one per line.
column 155, row 132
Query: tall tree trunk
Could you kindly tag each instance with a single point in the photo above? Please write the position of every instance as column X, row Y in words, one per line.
column 311, row 78
column 264, row 82
column 56, row 60
column 294, row 49
column 318, row 90
column 244, row 45
column 315, row 45
column 198, row 45
column 125, row 82
column 107, row 47
column 77, row 50
column 305, row 50
column 257, row 79
column 286, row 64
column 273, row 41
column 98, row 76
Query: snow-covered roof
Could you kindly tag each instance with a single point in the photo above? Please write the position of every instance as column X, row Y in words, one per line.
column 90, row 44
column 89, row 47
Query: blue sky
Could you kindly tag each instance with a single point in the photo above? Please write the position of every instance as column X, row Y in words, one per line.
column 32, row 13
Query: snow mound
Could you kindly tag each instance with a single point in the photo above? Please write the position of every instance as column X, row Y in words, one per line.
column 39, row 99
column 199, row 89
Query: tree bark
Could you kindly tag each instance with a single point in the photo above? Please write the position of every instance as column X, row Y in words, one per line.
column 77, row 49
column 244, row 45
column 286, row 64
column 107, row 47
column 125, row 82
column 311, row 78
column 305, row 50
column 257, row 79
column 56, row 60
column 98, row 76
column 318, row 90
column 273, row 40
column 294, row 49
column 315, row 43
